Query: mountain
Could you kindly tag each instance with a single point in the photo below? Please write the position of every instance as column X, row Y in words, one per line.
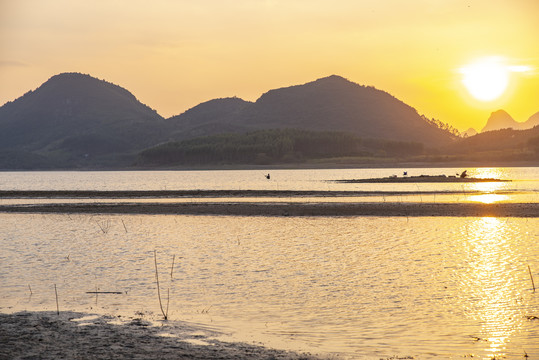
column 532, row 121
column 470, row 132
column 328, row 104
column 502, row 120
column 210, row 117
column 75, row 119
column 504, row 146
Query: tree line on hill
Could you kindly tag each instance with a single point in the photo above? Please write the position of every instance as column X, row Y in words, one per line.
column 273, row 146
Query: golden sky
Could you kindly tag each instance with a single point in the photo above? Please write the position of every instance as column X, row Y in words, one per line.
column 174, row 54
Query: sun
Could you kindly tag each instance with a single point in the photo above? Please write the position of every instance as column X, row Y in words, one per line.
column 486, row 79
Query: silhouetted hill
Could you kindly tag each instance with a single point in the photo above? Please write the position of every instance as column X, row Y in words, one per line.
column 507, row 145
column 502, row 120
column 328, row 104
column 470, row 132
column 210, row 117
column 533, row 121
column 73, row 118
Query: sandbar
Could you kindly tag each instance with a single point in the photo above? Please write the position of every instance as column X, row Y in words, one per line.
column 421, row 179
column 289, row 209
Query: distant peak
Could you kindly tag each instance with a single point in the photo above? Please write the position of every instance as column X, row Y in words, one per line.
column 500, row 112
column 499, row 119
column 333, row 79
column 71, row 76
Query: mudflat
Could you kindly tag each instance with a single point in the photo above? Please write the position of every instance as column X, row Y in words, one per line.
column 289, row 209
column 69, row 335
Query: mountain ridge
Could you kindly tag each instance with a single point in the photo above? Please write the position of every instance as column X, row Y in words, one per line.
column 500, row 119
column 75, row 117
column 74, row 120
column 326, row 104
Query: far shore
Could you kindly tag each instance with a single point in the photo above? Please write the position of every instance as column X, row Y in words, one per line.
column 403, row 209
column 378, row 164
column 159, row 194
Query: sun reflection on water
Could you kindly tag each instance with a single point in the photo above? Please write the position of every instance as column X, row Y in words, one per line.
column 491, row 281
column 489, row 189
column 489, row 173
column 488, row 198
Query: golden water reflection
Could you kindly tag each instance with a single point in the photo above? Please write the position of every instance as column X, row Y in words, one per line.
column 490, row 189
column 489, row 173
column 491, row 282
column 488, row 198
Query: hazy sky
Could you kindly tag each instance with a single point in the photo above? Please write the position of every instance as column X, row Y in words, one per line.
column 174, row 54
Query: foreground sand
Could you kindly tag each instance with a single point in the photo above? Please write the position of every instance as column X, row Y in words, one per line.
column 46, row 335
column 289, row 209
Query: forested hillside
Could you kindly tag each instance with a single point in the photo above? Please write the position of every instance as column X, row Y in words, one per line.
column 273, row 147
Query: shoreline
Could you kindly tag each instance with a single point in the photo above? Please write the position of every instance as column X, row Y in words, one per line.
column 345, row 164
column 71, row 335
column 157, row 194
column 288, row 209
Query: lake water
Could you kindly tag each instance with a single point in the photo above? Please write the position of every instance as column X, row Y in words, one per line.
column 360, row 287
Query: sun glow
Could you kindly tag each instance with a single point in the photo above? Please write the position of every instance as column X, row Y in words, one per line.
column 487, row 79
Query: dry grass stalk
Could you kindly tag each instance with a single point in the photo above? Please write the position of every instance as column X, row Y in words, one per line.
column 531, row 276
column 57, row 307
column 125, row 228
column 104, row 226
column 164, row 312
column 158, row 287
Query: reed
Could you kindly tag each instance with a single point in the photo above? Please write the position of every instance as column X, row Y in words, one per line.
column 125, row 227
column 531, row 277
column 172, row 268
column 57, row 307
column 104, row 226
column 164, row 312
column 29, row 288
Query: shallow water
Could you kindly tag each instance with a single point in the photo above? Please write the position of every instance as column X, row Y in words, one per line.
column 523, row 187
column 361, row 287
column 364, row 287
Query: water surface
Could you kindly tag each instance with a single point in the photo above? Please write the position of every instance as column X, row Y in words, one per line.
column 364, row 287
column 360, row 287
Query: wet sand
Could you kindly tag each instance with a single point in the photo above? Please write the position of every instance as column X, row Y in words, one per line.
column 46, row 335
column 288, row 209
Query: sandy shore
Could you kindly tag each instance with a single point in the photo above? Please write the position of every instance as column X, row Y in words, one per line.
column 289, row 209
column 46, row 335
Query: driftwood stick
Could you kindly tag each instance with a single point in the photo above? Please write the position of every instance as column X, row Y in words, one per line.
column 104, row 292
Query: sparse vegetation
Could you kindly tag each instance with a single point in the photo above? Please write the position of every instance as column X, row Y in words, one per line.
column 163, row 311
